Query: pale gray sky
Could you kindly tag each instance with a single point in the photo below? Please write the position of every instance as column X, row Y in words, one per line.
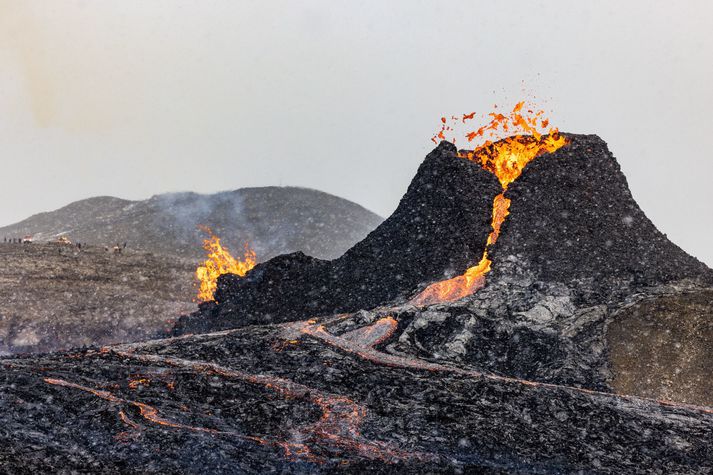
column 132, row 97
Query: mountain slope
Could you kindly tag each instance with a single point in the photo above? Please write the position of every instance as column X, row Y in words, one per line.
column 275, row 220
column 547, row 368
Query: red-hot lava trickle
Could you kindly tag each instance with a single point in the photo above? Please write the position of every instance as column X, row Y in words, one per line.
column 526, row 137
column 338, row 427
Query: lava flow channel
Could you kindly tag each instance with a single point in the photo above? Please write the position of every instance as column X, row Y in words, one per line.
column 338, row 427
column 148, row 412
column 505, row 159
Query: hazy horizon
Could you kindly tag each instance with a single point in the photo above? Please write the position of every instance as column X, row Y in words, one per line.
column 133, row 99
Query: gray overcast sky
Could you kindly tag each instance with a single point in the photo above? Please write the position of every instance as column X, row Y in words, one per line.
column 132, row 98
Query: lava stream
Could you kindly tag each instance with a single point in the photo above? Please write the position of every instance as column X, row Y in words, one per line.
column 505, row 159
column 342, row 417
column 374, row 334
column 339, row 424
column 148, row 412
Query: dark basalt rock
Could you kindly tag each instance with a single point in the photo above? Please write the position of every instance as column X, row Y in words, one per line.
column 572, row 217
column 438, row 230
column 584, row 291
column 521, row 328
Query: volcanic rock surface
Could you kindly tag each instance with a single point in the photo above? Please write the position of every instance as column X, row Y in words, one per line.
column 572, row 217
column 322, row 397
column 574, row 253
column 274, row 220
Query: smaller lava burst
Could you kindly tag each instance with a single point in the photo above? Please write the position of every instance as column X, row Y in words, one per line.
column 525, row 137
column 220, row 261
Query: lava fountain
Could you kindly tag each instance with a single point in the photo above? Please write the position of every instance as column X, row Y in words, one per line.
column 526, row 137
column 220, row 261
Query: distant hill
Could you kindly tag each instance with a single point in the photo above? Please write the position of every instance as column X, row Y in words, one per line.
column 274, row 220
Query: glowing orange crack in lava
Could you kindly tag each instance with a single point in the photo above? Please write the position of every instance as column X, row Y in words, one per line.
column 338, row 426
column 147, row 412
column 220, row 261
column 506, row 159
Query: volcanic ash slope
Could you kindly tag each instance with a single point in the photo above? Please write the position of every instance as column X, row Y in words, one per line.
column 56, row 296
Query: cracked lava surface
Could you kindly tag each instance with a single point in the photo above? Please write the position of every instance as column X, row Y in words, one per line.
column 317, row 400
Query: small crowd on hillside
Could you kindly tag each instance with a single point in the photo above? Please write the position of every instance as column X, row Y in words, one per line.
column 64, row 240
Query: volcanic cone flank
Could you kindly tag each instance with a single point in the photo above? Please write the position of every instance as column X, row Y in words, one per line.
column 439, row 229
column 572, row 217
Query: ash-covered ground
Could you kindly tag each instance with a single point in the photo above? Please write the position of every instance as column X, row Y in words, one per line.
column 55, row 296
column 588, row 350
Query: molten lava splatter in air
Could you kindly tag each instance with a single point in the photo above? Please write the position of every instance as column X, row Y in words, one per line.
column 510, row 142
column 220, row 261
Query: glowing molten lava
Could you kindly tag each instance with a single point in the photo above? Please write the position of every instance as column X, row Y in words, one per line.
column 505, row 159
column 219, row 261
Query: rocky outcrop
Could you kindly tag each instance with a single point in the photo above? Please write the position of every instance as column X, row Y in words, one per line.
column 653, row 342
column 522, row 329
